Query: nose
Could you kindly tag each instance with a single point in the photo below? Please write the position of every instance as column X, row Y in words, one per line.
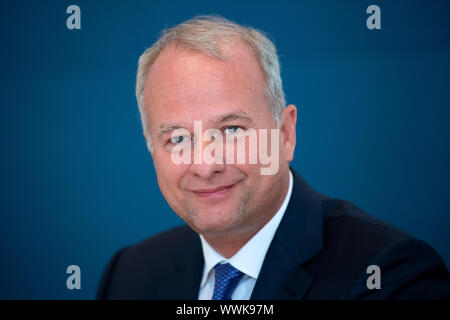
column 205, row 164
column 206, row 171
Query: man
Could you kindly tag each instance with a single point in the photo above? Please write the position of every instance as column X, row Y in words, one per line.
column 250, row 234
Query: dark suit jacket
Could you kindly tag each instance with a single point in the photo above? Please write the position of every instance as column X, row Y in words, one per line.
column 321, row 250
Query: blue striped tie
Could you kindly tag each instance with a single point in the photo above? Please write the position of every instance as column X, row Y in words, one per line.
column 227, row 278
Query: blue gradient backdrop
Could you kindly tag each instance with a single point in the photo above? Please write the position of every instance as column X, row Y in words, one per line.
column 77, row 182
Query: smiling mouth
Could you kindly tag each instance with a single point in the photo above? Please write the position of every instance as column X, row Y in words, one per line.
column 215, row 192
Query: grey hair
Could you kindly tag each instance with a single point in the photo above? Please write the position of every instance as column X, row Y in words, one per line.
column 205, row 34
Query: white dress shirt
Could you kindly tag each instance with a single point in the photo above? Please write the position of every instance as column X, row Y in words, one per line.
column 248, row 259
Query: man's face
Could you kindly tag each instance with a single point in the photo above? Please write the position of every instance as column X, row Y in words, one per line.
column 185, row 86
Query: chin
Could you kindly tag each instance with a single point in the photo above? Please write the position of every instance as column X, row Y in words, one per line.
column 218, row 218
column 209, row 225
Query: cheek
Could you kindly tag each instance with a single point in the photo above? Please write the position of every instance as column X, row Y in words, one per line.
column 168, row 173
column 253, row 182
column 256, row 181
column 250, row 170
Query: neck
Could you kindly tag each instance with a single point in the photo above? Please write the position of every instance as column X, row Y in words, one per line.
column 228, row 246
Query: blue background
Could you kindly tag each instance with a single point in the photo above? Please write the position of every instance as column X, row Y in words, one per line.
column 77, row 182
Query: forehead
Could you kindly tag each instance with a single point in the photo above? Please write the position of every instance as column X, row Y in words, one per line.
column 190, row 85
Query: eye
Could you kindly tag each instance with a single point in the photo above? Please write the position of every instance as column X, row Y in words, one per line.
column 232, row 129
column 177, row 139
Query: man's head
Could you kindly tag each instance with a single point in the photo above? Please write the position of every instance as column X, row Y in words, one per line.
column 227, row 76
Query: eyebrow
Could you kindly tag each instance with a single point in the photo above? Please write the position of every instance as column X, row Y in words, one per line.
column 240, row 115
column 169, row 127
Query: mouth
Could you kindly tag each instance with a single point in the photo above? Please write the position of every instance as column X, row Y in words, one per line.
column 213, row 193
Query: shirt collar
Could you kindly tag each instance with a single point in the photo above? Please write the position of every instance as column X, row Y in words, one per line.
column 250, row 257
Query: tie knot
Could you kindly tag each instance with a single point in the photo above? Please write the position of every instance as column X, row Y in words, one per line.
column 227, row 278
column 227, row 270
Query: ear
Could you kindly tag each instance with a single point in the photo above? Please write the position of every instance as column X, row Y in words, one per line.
column 288, row 132
column 146, row 142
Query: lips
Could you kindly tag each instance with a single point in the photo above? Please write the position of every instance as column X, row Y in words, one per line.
column 214, row 192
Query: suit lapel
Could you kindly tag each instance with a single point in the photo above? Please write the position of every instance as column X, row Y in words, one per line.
column 281, row 277
column 297, row 239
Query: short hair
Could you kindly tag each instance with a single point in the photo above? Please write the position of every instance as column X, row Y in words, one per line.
column 204, row 34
